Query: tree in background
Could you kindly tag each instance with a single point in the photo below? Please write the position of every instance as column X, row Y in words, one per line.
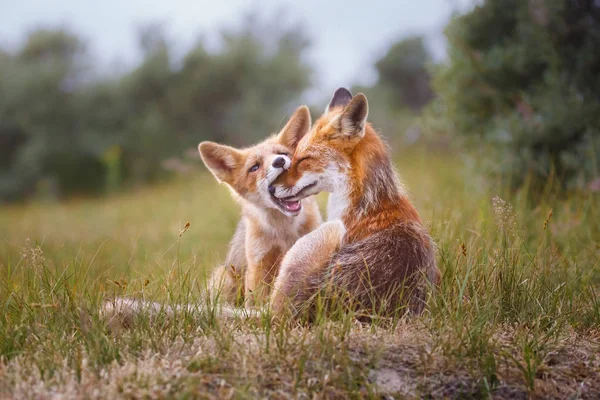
column 39, row 131
column 524, row 78
column 401, row 91
column 64, row 130
column 403, row 70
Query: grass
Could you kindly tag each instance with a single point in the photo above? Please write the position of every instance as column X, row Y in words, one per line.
column 517, row 316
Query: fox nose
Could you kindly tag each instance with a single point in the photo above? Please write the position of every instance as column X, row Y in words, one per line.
column 272, row 189
column 279, row 162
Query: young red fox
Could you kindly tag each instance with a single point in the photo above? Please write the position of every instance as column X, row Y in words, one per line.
column 269, row 226
column 374, row 249
column 266, row 231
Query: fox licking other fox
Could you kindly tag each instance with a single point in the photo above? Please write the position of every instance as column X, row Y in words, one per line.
column 373, row 254
column 374, row 249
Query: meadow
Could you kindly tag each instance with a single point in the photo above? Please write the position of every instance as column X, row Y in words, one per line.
column 517, row 314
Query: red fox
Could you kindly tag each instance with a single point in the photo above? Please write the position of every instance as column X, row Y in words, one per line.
column 269, row 226
column 374, row 248
column 266, row 231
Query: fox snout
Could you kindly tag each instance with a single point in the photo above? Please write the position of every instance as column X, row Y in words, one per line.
column 290, row 186
column 279, row 164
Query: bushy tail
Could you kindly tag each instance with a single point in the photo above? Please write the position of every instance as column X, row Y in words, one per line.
column 123, row 311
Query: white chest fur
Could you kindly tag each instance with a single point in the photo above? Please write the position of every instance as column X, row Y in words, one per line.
column 336, row 205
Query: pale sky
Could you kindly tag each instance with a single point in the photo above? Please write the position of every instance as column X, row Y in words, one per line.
column 347, row 36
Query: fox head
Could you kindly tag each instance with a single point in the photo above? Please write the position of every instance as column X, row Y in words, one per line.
column 249, row 172
column 323, row 158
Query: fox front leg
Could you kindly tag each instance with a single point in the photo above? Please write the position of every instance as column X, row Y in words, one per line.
column 308, row 258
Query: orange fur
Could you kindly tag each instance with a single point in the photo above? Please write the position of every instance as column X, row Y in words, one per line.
column 346, row 157
column 318, row 145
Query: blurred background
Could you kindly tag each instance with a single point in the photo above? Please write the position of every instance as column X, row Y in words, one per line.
column 95, row 99
column 491, row 109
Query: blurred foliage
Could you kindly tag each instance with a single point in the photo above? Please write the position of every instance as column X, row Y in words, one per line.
column 522, row 83
column 402, row 89
column 64, row 130
column 403, row 72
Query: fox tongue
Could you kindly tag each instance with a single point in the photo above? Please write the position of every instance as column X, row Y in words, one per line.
column 291, row 205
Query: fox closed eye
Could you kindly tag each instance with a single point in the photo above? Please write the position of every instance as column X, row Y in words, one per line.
column 303, row 159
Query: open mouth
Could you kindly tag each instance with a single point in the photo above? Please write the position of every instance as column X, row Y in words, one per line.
column 290, row 206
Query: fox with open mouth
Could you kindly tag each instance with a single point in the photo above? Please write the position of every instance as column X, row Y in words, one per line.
column 269, row 226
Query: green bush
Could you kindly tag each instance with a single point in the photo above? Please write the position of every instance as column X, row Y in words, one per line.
column 522, row 83
column 401, row 91
column 402, row 71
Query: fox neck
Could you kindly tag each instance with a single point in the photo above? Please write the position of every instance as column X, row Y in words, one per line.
column 371, row 188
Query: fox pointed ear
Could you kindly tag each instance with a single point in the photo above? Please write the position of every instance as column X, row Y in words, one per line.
column 220, row 160
column 296, row 128
column 341, row 98
column 354, row 117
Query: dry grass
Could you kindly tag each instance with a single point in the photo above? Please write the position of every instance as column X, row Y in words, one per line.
column 518, row 314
